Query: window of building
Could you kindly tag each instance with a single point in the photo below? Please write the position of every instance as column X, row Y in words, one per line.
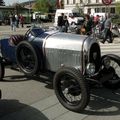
column 107, row 10
column 103, row 10
column 67, row 2
column 74, row 1
column 89, row 11
column 81, row 1
column 97, row 1
column 89, row 1
column 112, row 10
column 97, row 10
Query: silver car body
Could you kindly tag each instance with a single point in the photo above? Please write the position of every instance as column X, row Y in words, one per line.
column 65, row 49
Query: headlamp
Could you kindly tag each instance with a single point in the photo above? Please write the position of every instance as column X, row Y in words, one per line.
column 90, row 68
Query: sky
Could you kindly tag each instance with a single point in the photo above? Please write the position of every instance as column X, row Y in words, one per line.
column 10, row 2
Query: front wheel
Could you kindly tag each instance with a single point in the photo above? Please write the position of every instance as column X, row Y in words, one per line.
column 71, row 89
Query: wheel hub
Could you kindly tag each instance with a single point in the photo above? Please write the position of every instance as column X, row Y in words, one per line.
column 73, row 90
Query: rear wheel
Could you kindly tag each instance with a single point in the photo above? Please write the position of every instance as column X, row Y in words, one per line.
column 27, row 58
column 2, row 70
column 71, row 89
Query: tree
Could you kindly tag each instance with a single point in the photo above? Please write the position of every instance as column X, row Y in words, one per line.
column 117, row 7
column 44, row 6
column 2, row 3
column 52, row 5
column 41, row 5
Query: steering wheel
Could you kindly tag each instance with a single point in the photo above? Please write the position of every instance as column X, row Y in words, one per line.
column 27, row 33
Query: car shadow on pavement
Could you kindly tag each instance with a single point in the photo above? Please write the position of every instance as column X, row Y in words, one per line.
column 20, row 78
column 48, row 80
column 13, row 109
column 104, row 102
column 15, row 78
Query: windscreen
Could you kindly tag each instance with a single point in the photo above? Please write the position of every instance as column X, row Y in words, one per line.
column 37, row 31
column 76, row 14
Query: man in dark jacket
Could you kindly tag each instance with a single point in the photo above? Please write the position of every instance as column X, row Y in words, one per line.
column 88, row 24
column 60, row 21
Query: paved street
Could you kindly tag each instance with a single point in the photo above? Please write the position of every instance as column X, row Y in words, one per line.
column 111, row 48
column 34, row 99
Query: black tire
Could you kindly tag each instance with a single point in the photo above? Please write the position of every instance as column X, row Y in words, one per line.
column 2, row 70
column 71, row 80
column 113, row 83
column 0, row 94
column 27, row 58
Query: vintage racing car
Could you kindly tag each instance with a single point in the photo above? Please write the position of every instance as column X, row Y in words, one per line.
column 75, row 62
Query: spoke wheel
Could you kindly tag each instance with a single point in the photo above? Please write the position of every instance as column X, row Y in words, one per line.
column 27, row 58
column 2, row 70
column 71, row 89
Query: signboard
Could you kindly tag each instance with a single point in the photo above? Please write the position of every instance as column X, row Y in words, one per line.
column 106, row 2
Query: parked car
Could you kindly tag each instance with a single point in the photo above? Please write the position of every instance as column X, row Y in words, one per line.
column 75, row 62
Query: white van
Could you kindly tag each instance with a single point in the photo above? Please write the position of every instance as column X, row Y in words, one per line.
column 73, row 16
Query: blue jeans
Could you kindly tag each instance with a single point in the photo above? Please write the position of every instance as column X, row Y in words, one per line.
column 13, row 26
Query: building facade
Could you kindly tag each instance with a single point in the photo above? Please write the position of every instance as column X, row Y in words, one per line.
column 90, row 6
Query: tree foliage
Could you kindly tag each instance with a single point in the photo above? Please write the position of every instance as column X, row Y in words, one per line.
column 17, row 7
column 44, row 6
column 117, row 7
column 2, row 3
column 41, row 5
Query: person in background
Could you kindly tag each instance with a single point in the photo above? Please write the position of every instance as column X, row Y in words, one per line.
column 107, row 29
column 21, row 20
column 13, row 22
column 17, row 20
column 88, row 24
column 96, row 19
column 60, row 22
column 103, row 19
column 65, row 24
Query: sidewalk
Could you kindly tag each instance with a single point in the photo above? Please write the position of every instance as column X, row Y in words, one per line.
column 46, row 109
column 6, row 30
column 101, row 107
column 117, row 40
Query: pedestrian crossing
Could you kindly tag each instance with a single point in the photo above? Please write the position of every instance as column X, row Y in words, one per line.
column 110, row 48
